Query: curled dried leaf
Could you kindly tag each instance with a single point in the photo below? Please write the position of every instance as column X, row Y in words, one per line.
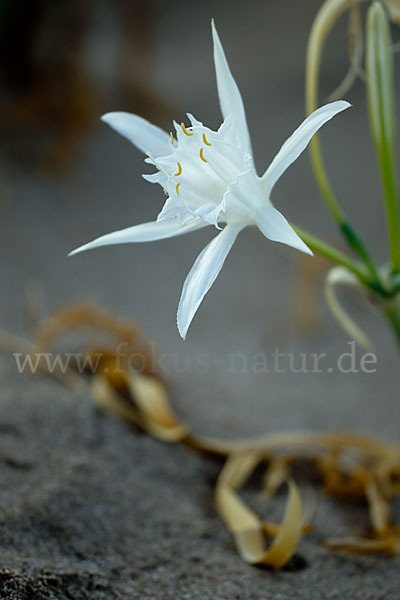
column 356, row 545
column 276, row 474
column 139, row 399
column 245, row 525
column 87, row 316
column 378, row 507
column 353, row 466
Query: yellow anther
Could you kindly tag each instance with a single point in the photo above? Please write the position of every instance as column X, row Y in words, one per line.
column 201, row 155
column 179, row 169
column 172, row 137
column 185, row 131
column 205, row 140
column 177, row 186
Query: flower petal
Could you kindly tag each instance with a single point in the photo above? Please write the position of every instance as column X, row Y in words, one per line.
column 276, row 228
column 158, row 177
column 229, row 95
column 298, row 141
column 144, row 135
column 145, row 232
column 203, row 274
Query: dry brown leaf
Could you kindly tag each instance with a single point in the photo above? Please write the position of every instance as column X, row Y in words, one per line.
column 276, row 474
column 355, row 545
column 378, row 507
column 145, row 406
column 245, row 525
column 352, row 465
column 87, row 316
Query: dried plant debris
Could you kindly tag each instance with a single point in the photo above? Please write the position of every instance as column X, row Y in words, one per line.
column 352, row 467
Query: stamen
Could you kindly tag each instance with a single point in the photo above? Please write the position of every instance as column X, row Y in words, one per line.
column 179, row 169
column 172, row 137
column 201, row 155
column 205, row 140
column 185, row 131
column 177, row 186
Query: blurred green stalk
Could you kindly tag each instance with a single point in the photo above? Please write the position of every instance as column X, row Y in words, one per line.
column 380, row 93
column 326, row 17
column 392, row 314
column 320, row 247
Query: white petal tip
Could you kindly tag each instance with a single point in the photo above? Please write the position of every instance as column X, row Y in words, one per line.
column 181, row 324
column 298, row 244
column 110, row 116
column 106, row 117
column 182, row 330
column 341, row 104
column 214, row 31
column 78, row 250
column 304, row 248
column 111, row 119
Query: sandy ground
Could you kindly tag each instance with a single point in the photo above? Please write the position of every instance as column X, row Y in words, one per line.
column 92, row 509
column 89, row 507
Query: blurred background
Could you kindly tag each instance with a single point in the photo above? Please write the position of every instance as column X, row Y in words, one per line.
column 65, row 178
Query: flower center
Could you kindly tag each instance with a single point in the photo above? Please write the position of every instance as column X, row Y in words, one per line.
column 200, row 170
column 201, row 153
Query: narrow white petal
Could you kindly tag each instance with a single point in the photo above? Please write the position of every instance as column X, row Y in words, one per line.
column 298, row 141
column 144, row 135
column 194, row 122
column 203, row 274
column 145, row 232
column 228, row 92
column 156, row 178
column 276, row 228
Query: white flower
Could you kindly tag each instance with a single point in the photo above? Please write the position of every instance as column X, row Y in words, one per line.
column 210, row 179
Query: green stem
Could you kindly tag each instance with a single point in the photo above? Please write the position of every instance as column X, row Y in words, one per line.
column 392, row 314
column 351, row 236
column 324, row 21
column 333, row 254
column 380, row 95
column 391, row 205
column 356, row 243
column 323, row 181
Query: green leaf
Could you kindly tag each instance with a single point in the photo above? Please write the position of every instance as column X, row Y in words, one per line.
column 380, row 91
